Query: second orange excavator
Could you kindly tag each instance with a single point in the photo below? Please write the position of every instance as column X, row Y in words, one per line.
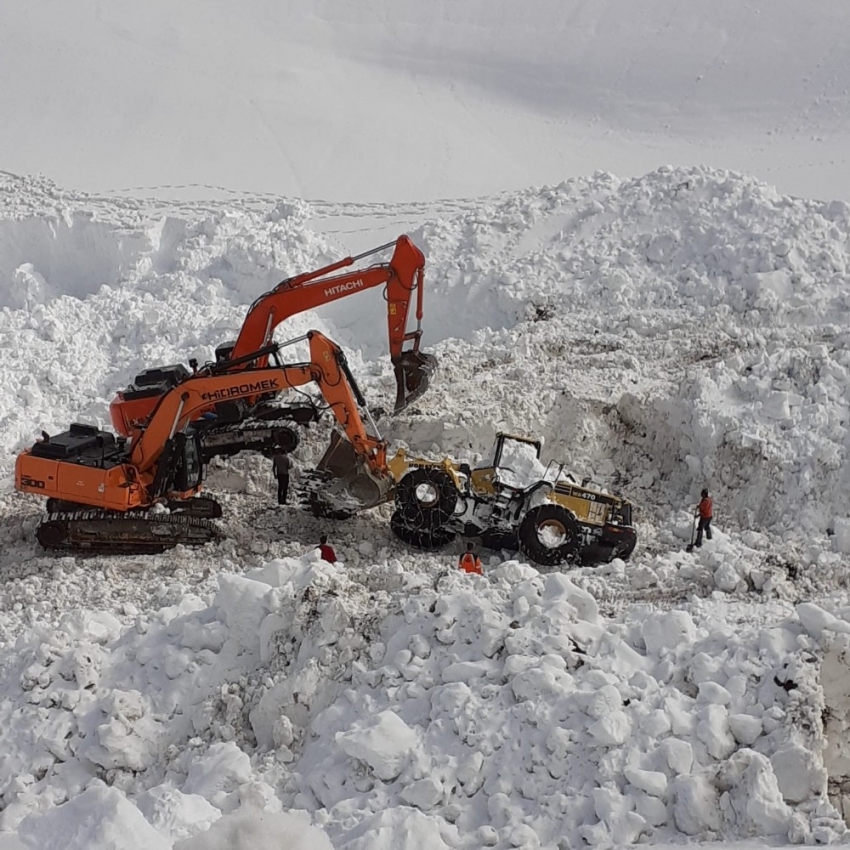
column 263, row 425
column 105, row 494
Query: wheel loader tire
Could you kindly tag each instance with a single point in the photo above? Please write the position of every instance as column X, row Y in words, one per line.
column 420, row 538
column 627, row 553
column 549, row 535
column 426, row 498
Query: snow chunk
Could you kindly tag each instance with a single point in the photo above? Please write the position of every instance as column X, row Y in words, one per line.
column 558, row 587
column 745, row 728
column 799, row 773
column 384, row 743
column 175, row 814
column 250, row 828
column 612, row 729
column 752, row 801
column 244, row 603
column 696, row 806
column 130, row 737
column 678, row 755
column 815, row 620
column 841, row 540
column 219, row 771
column 392, row 829
column 713, row 731
column 424, row 793
column 711, row 692
column 464, row 671
column 100, row 817
column 668, row 631
column 651, row 782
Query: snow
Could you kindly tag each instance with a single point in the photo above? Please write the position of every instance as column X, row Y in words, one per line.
column 662, row 325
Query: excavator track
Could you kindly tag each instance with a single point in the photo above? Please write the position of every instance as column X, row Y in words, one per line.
column 134, row 532
column 254, row 435
column 202, row 507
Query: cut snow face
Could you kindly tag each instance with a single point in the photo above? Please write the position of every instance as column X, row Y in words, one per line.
column 42, row 259
column 682, row 330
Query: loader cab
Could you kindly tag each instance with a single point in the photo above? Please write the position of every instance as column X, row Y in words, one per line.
column 514, row 463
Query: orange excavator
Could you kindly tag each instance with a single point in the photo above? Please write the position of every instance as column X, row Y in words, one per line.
column 263, row 425
column 108, row 494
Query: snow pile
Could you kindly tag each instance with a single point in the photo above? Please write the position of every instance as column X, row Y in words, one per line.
column 682, row 330
column 668, row 332
column 465, row 711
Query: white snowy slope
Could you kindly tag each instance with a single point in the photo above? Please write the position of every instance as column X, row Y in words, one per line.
column 687, row 328
column 391, row 100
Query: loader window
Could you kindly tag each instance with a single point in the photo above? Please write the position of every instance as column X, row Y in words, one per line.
column 519, row 466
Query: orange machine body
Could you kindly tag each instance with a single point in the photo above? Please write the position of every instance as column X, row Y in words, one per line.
column 403, row 275
column 93, row 468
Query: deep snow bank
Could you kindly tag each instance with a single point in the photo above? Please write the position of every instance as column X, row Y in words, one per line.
column 683, row 329
column 451, row 710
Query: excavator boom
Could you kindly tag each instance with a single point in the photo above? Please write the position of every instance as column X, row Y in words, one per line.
column 402, row 276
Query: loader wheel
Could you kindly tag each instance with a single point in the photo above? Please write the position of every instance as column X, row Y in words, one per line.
column 627, row 552
column 426, row 498
column 420, row 538
column 549, row 535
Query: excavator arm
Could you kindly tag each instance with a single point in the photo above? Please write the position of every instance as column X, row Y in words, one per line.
column 403, row 276
column 327, row 367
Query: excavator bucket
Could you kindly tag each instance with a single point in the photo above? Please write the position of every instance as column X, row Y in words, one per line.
column 346, row 485
column 413, row 371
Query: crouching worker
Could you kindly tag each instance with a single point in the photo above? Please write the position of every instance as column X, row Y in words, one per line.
column 469, row 562
column 326, row 551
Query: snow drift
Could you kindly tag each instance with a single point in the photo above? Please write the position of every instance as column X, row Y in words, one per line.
column 681, row 330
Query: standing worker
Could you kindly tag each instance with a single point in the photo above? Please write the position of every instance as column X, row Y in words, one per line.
column 281, row 465
column 704, row 512
column 470, row 562
column 326, row 550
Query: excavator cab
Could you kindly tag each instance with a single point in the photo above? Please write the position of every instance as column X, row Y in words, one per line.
column 179, row 471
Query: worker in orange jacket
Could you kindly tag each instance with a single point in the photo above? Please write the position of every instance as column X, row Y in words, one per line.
column 470, row 562
column 704, row 511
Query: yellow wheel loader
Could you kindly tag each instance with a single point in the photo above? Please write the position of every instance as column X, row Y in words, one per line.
column 514, row 503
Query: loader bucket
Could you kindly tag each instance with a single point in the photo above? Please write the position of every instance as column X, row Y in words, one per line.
column 349, row 484
column 413, row 371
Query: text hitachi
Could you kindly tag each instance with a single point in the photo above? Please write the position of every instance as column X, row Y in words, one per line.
column 344, row 287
